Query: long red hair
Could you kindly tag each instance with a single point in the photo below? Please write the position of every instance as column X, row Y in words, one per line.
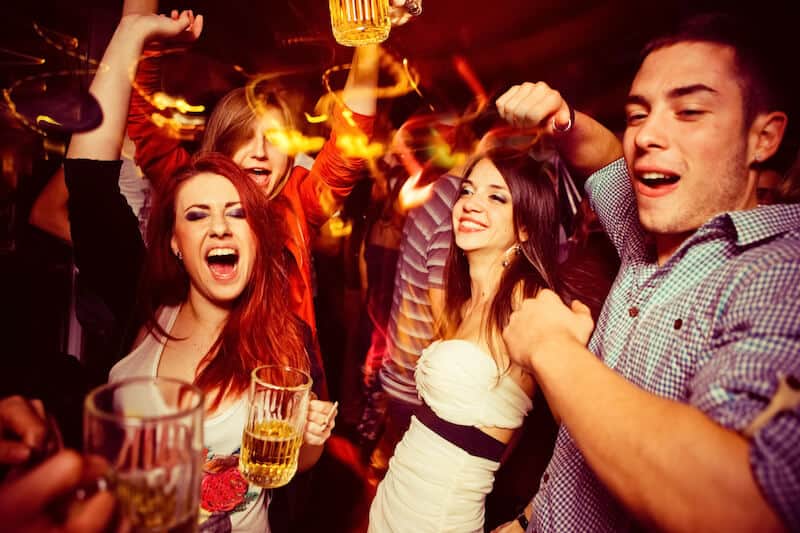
column 260, row 328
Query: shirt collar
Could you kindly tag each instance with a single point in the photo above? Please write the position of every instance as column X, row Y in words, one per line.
column 764, row 222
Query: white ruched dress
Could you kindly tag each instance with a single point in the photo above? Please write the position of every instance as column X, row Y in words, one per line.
column 432, row 485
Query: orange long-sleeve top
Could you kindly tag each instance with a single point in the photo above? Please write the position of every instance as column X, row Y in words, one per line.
column 160, row 156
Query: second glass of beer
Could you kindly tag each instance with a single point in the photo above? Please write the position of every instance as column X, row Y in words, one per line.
column 360, row 22
column 278, row 407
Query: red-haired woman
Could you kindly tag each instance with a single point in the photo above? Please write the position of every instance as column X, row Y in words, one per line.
column 237, row 128
column 213, row 299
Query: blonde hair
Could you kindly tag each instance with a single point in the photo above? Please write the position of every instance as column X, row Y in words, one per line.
column 231, row 123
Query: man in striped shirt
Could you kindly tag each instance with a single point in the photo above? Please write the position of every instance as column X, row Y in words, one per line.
column 418, row 296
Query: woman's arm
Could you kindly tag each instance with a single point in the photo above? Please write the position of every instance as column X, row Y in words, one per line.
column 108, row 247
column 111, row 85
column 158, row 154
column 335, row 172
column 49, row 211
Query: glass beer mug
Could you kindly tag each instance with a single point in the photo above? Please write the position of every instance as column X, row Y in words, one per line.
column 150, row 430
column 359, row 22
column 277, row 412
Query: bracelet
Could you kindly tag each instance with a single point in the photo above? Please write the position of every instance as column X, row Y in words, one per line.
column 522, row 520
column 565, row 129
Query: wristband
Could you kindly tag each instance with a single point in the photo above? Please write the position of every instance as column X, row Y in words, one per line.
column 522, row 520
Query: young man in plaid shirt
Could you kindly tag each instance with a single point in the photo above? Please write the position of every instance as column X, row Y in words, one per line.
column 664, row 416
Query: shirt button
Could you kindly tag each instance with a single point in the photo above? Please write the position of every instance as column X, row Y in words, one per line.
column 633, row 312
column 545, row 477
column 678, row 324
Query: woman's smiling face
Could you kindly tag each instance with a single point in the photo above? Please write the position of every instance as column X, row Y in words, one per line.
column 483, row 215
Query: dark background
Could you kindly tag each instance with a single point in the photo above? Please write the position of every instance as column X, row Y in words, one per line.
column 586, row 48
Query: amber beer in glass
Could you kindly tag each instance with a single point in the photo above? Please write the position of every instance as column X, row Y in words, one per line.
column 150, row 433
column 359, row 22
column 278, row 407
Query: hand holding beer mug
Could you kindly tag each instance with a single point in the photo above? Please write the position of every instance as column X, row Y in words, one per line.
column 360, row 22
column 150, row 431
column 278, row 407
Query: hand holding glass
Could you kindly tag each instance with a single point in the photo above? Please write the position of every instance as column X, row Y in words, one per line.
column 278, row 407
column 150, row 430
column 360, row 22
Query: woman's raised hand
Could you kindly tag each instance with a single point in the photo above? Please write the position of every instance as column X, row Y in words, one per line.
column 177, row 28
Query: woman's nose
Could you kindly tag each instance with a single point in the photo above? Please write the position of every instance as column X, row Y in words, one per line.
column 472, row 203
column 260, row 146
column 219, row 225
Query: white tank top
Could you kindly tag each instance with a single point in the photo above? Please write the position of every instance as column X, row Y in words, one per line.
column 225, row 495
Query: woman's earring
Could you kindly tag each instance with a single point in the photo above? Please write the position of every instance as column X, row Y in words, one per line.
column 516, row 249
column 179, row 255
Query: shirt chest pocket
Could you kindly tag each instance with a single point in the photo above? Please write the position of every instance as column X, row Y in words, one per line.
column 664, row 346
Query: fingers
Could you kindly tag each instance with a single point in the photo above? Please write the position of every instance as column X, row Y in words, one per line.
column 181, row 26
column 197, row 27
column 320, row 421
column 30, row 494
column 14, row 453
column 401, row 11
column 91, row 515
column 24, row 419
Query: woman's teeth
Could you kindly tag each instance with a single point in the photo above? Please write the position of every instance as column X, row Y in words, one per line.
column 221, row 251
column 468, row 224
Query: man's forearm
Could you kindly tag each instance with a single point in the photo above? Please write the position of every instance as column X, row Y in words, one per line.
column 588, row 146
column 667, row 462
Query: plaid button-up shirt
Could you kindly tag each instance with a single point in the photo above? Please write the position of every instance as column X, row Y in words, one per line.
column 713, row 327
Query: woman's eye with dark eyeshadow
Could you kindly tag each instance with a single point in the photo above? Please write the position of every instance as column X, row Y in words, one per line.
column 191, row 216
column 237, row 212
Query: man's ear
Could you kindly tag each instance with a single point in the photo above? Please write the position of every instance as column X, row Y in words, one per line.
column 766, row 135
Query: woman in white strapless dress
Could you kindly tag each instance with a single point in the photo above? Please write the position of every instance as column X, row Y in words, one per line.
column 505, row 241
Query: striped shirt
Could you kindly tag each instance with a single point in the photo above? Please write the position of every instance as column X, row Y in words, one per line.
column 420, row 267
column 713, row 327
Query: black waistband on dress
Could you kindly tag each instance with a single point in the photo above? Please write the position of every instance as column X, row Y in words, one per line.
column 469, row 438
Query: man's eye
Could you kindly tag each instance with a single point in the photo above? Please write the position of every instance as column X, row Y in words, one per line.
column 690, row 113
column 635, row 118
column 195, row 215
column 465, row 191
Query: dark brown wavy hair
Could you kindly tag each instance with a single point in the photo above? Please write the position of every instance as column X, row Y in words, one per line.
column 534, row 203
column 260, row 328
